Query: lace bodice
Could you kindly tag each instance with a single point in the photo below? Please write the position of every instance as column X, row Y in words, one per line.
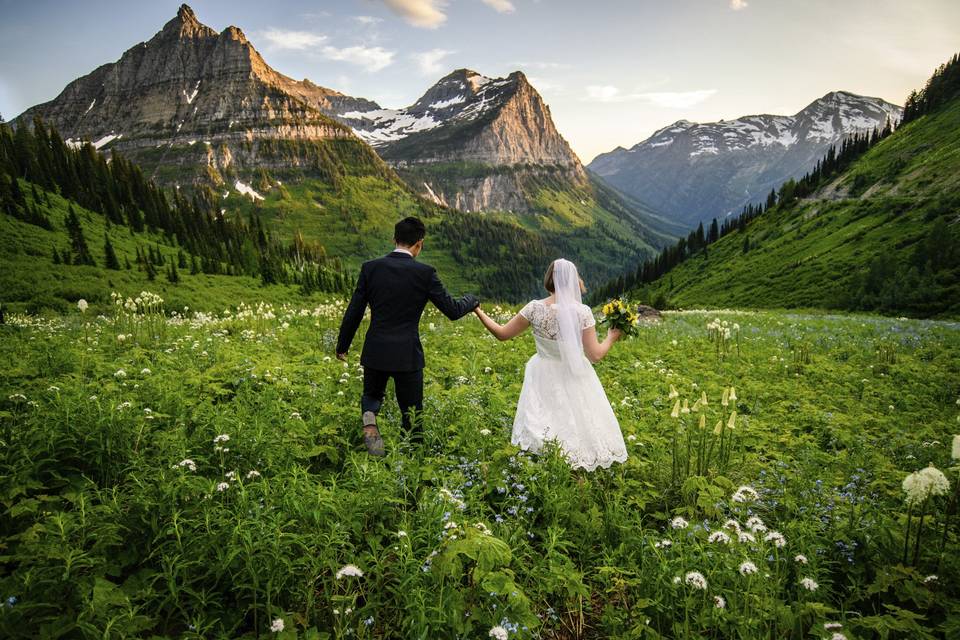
column 543, row 318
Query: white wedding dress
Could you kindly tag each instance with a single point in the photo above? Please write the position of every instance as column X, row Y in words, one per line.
column 561, row 402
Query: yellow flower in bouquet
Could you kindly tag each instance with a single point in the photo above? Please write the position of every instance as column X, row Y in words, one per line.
column 620, row 315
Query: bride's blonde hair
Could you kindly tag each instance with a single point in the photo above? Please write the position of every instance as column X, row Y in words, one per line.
column 548, row 280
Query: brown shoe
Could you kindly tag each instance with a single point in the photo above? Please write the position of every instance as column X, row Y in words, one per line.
column 371, row 435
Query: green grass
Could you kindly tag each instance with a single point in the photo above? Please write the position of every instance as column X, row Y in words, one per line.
column 815, row 252
column 104, row 534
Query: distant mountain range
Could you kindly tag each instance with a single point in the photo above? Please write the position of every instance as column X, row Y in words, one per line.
column 202, row 110
column 694, row 172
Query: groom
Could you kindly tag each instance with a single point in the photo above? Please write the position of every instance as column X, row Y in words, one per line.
column 397, row 288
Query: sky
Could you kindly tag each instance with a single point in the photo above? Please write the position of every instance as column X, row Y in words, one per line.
column 612, row 71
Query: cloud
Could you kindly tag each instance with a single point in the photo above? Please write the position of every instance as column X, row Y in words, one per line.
column 500, row 6
column 427, row 14
column 295, row 40
column 370, row 58
column 367, row 20
column 667, row 99
column 430, row 61
column 739, row 5
column 545, row 86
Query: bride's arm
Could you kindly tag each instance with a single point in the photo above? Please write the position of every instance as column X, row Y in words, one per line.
column 512, row 329
column 593, row 348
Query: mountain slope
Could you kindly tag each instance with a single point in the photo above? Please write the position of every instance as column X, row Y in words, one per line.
column 696, row 172
column 194, row 105
column 884, row 235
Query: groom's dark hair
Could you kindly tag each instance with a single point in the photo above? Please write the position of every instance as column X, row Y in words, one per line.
column 409, row 231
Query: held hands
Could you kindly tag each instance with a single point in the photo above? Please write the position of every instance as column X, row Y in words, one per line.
column 614, row 334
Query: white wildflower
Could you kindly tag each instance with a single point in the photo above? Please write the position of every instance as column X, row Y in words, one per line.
column 277, row 625
column 776, row 538
column 747, row 567
column 485, row 432
column 800, row 558
column 745, row 536
column 221, row 438
column 679, row 523
column 921, row 485
column 120, row 374
column 662, row 544
column 82, row 305
column 809, row 584
column 401, row 534
column 253, row 473
column 732, row 525
column 745, row 494
column 931, row 578
column 832, row 626
column 719, row 602
column 696, row 580
column 186, row 463
column 498, row 633
column 349, row 570
column 223, row 486
column 756, row 525
column 719, row 536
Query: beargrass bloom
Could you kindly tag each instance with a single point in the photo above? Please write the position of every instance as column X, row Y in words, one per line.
column 82, row 305
column 676, row 409
column 277, row 625
column 349, row 570
column 747, row 568
column 696, row 580
column 809, row 584
column 673, row 393
column 498, row 633
column 923, row 484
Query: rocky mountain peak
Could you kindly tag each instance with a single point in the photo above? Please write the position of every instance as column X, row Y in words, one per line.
column 186, row 25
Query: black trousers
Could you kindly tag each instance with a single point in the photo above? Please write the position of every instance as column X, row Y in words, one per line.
column 409, row 388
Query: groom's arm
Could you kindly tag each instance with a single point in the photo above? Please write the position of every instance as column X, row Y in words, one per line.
column 353, row 315
column 453, row 309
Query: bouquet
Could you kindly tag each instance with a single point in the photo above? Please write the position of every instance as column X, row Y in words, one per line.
column 617, row 314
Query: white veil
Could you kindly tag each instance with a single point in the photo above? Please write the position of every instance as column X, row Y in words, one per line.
column 566, row 285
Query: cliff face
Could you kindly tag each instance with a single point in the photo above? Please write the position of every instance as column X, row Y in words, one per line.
column 191, row 98
column 472, row 142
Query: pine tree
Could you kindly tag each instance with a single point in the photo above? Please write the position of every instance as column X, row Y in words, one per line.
column 78, row 244
column 111, row 261
column 56, row 256
column 172, row 275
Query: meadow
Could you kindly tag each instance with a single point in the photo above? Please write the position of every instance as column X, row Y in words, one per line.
column 179, row 473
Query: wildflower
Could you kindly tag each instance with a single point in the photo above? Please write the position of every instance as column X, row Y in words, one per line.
column 719, row 536
column 725, row 399
column 223, row 486
column 145, row 371
column 955, row 454
column 231, row 475
column 484, row 432
column 401, row 534
column 756, row 525
column 732, row 420
column 703, row 398
column 673, row 393
column 662, row 544
column 277, row 625
column 679, row 523
column 368, row 621
column 498, row 633
column 800, row 559
column 832, row 626
column 744, row 536
column 747, row 567
column 921, row 485
column 450, row 525
column 53, row 388
column 776, row 538
column 221, row 438
column 685, row 408
column 733, row 394
column 677, row 579
column 930, row 578
column 120, row 374
column 696, row 580
column 732, row 525
column 631, row 437
column 809, row 584
column 719, row 602
column 82, row 305
column 349, row 570
column 253, row 473
column 838, row 636
column 676, row 409
column 17, row 397
column 745, row 493
column 186, row 463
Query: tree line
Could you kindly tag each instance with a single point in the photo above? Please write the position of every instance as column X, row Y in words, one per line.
column 118, row 189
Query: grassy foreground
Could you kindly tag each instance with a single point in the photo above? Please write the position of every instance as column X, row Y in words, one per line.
column 202, row 476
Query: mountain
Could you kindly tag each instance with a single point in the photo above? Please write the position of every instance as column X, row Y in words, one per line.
column 698, row 171
column 194, row 105
column 880, row 234
column 201, row 110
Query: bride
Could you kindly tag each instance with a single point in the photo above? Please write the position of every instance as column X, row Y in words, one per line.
column 562, row 398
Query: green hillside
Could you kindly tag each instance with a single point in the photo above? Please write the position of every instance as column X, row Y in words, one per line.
column 883, row 235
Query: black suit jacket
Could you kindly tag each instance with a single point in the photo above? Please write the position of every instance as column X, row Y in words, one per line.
column 397, row 288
